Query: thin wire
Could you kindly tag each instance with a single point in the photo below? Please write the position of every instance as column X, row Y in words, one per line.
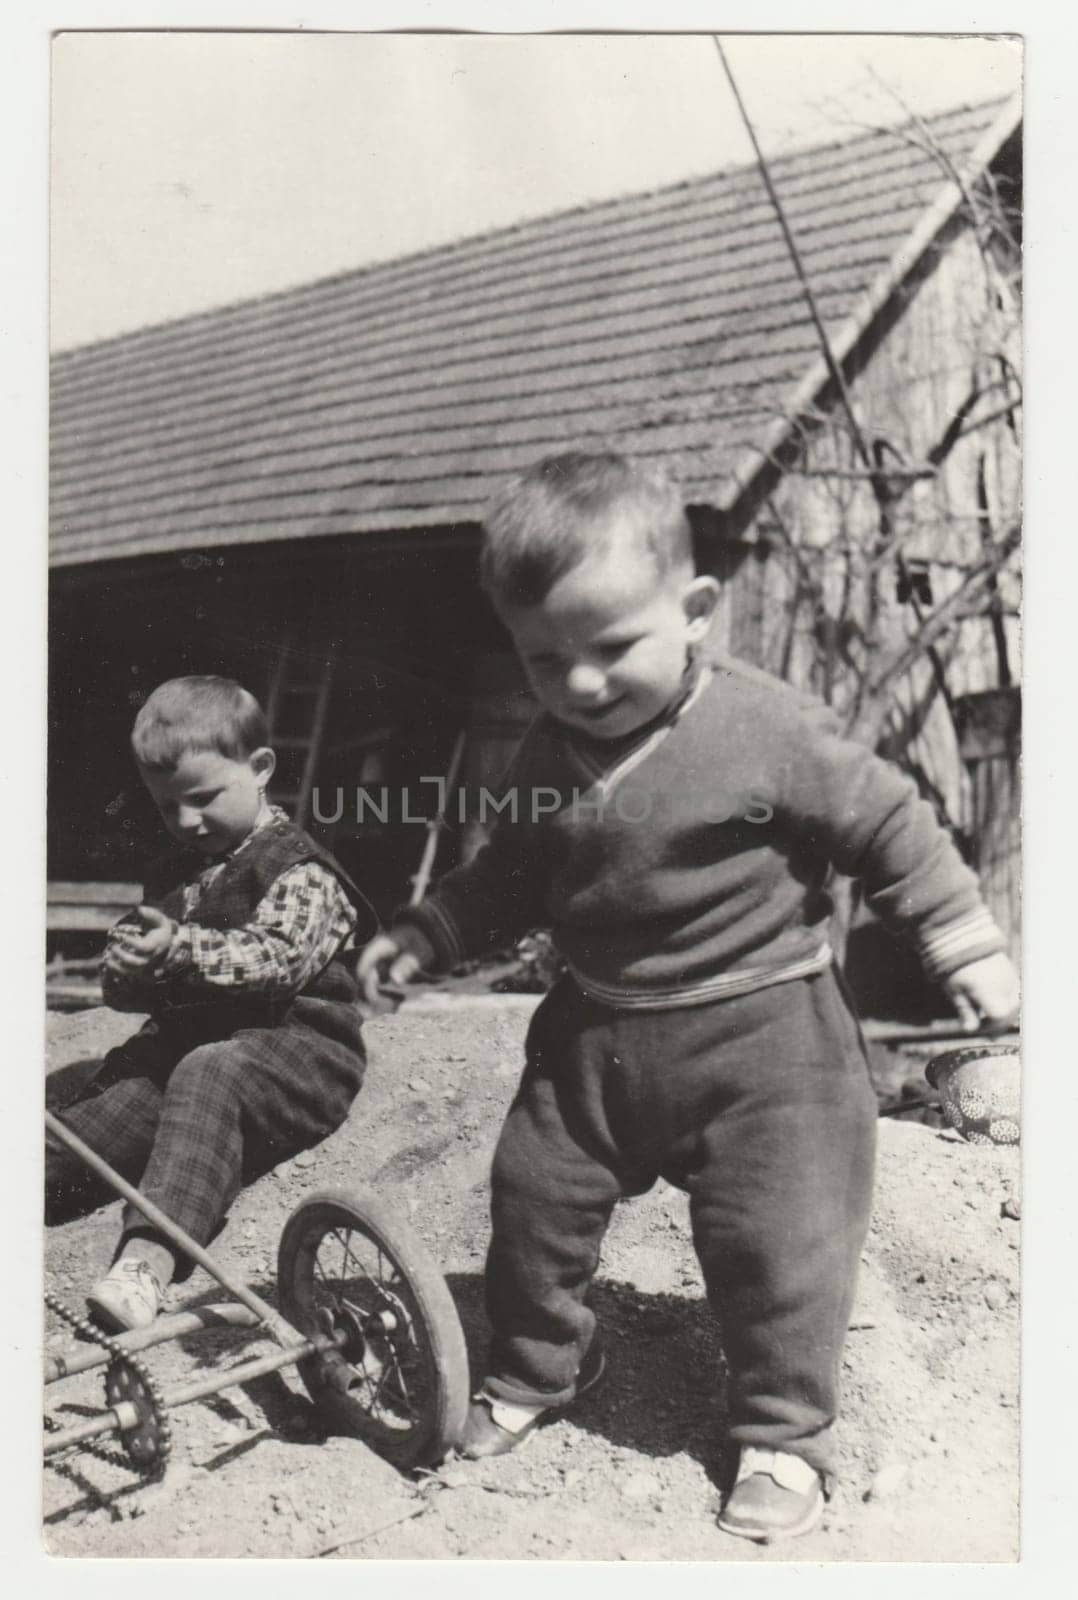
column 876, row 475
column 833, row 367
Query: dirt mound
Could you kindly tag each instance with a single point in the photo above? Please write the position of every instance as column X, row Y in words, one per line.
column 931, row 1366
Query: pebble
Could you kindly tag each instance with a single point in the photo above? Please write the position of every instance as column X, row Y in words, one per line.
column 641, row 1486
column 887, row 1480
column 418, row 1085
column 306, row 1158
column 996, row 1296
column 1011, row 1208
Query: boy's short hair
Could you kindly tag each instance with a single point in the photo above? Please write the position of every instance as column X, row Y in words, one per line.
column 197, row 713
column 547, row 520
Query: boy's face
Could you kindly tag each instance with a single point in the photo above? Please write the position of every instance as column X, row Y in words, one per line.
column 211, row 801
column 606, row 650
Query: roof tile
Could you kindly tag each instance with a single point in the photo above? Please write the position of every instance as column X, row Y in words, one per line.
column 668, row 323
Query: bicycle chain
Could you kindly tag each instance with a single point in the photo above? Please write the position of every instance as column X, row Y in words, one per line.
column 150, row 1454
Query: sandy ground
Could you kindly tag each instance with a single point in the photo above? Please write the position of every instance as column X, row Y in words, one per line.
column 931, row 1371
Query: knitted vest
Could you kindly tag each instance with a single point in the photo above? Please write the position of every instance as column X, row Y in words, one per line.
column 230, row 902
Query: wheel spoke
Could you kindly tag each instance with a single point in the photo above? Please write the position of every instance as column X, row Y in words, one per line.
column 389, row 1368
column 398, row 1373
column 320, row 1269
column 347, row 1254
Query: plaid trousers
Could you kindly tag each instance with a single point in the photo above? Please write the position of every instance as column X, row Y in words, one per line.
column 193, row 1124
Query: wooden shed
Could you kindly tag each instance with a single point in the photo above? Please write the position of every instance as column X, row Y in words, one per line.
column 290, row 489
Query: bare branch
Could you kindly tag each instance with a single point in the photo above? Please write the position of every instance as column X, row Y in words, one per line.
column 946, row 615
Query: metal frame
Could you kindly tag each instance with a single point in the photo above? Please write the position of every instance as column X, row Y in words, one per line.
column 251, row 1312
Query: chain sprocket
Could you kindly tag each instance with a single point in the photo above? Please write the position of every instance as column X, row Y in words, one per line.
column 127, row 1378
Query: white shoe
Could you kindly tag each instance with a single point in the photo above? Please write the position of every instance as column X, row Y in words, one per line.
column 129, row 1296
column 776, row 1496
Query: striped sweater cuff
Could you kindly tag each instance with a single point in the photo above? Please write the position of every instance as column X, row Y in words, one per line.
column 944, row 950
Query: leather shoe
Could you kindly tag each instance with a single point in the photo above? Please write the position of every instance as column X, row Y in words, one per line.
column 776, row 1496
column 485, row 1436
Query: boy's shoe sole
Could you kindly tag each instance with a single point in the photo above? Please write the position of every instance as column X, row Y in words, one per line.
column 483, row 1437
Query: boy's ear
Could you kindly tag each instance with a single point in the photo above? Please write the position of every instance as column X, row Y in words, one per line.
column 263, row 765
column 700, row 599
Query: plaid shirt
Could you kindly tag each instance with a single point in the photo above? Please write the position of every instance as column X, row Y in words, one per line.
column 296, row 930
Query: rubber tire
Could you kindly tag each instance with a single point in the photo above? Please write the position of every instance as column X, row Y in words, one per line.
column 442, row 1425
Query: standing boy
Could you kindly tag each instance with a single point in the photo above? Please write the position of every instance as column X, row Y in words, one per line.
column 253, row 1049
column 676, row 820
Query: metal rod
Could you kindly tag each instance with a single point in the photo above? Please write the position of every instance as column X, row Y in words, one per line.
column 160, row 1332
column 281, row 1329
column 200, row 1387
column 436, row 824
column 899, row 1033
column 113, row 1421
column 124, row 1415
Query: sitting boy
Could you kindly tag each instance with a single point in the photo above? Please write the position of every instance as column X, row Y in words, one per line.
column 253, row 1049
column 675, row 817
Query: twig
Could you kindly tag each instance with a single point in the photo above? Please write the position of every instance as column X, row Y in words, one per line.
column 514, row 1494
column 947, row 613
column 993, row 416
column 455, row 1479
column 371, row 1533
column 862, row 475
column 907, row 1105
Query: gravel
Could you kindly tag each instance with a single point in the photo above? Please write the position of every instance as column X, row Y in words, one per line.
column 633, row 1472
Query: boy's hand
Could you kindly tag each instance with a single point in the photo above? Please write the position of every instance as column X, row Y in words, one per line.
column 985, row 992
column 132, row 950
column 381, row 962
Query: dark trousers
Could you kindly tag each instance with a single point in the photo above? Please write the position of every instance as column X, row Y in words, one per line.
column 192, row 1124
column 761, row 1109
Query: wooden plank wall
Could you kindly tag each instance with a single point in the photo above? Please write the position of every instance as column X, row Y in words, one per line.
column 947, row 338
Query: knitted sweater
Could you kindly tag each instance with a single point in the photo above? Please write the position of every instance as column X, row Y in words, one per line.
column 694, row 865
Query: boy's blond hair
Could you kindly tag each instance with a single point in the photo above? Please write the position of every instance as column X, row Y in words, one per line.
column 549, row 519
column 197, row 713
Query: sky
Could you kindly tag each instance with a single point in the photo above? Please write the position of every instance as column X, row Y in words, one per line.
column 191, row 170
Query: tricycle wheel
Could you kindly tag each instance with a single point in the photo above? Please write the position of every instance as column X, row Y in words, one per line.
column 347, row 1267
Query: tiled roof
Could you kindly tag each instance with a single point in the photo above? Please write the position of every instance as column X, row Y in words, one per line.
column 668, row 323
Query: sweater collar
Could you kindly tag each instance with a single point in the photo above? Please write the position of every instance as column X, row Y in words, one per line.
column 608, row 752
